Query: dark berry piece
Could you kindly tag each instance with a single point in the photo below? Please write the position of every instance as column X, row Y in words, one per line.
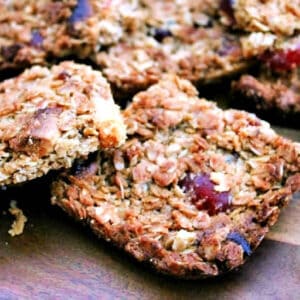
column 283, row 60
column 9, row 52
column 78, row 167
column 227, row 7
column 83, row 166
column 240, row 240
column 161, row 33
column 36, row 39
column 229, row 47
column 81, row 11
column 201, row 191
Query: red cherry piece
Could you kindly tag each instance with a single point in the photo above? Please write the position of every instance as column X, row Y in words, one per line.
column 203, row 195
column 283, row 60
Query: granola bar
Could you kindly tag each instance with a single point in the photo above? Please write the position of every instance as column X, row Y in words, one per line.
column 31, row 32
column 135, row 42
column 198, row 54
column 276, row 98
column 50, row 117
column 193, row 190
column 181, row 37
column 187, row 40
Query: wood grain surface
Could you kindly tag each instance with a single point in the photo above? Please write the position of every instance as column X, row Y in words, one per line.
column 56, row 258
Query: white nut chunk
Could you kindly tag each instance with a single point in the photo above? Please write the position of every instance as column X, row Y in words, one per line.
column 256, row 43
column 183, row 240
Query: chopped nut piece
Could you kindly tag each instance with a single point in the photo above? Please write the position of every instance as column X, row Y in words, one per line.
column 183, row 240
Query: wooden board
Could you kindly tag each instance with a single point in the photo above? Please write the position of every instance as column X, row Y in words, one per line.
column 56, row 258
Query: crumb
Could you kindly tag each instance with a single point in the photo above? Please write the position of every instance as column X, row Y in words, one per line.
column 17, row 226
